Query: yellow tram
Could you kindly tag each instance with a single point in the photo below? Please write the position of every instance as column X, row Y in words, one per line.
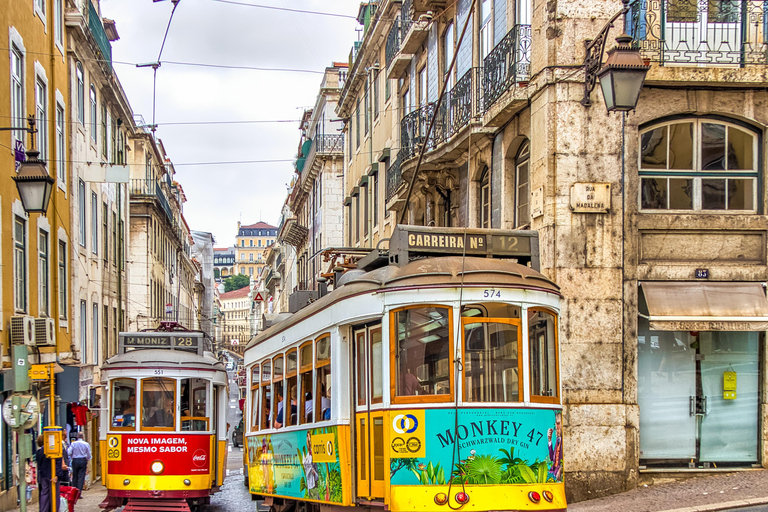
column 164, row 436
column 428, row 380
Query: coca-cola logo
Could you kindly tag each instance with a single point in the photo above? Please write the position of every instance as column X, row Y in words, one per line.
column 199, row 458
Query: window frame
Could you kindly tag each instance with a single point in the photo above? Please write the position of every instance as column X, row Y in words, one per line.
column 94, row 223
column 538, row 398
column 696, row 174
column 44, row 273
column 82, row 231
column 303, row 370
column 93, row 118
column 20, row 272
column 80, row 77
column 176, row 404
column 255, row 393
column 61, row 146
column 41, row 115
column 62, row 282
column 523, row 158
column 320, row 363
column 520, row 355
column 17, row 91
column 419, row 399
column 485, row 198
column 111, row 411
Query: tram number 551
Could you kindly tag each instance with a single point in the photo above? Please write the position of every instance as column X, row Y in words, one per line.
column 491, row 293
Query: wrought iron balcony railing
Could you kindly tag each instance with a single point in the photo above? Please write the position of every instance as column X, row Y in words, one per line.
column 459, row 106
column 507, row 64
column 700, row 32
column 329, row 144
column 394, row 177
column 152, row 188
column 394, row 38
column 97, row 30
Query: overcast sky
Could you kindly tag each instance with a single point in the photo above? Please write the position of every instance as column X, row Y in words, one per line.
column 225, row 33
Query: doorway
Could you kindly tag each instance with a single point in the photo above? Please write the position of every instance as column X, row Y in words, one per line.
column 698, row 396
column 369, row 413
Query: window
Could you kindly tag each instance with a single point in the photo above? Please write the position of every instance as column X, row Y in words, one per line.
column 448, row 40
column 542, row 346
column 62, row 280
column 95, row 334
column 17, row 92
column 94, row 126
column 58, row 12
column 113, row 139
column 158, row 404
column 485, row 199
column 104, row 134
column 357, row 217
column 266, row 395
column 20, row 263
column 80, row 93
column 121, row 245
column 492, row 342
column 94, row 223
column 423, row 87
column 194, row 415
column 522, row 193
column 105, row 333
column 291, row 388
column 364, row 194
column 123, row 404
column 41, row 114
column 375, row 197
column 81, row 210
column 376, row 79
column 43, row 280
column 114, row 238
column 60, row 147
column 105, row 230
column 422, row 353
column 83, row 332
column 357, row 124
column 698, row 165
column 323, row 386
column 486, row 29
column 255, row 382
column 367, row 106
column 40, row 6
column 305, row 382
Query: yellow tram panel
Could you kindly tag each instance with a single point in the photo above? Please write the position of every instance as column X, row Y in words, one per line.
column 417, row 498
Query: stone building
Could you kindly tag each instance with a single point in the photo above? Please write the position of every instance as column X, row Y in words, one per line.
column 202, row 253
column 236, row 326
column 653, row 223
column 313, row 216
column 250, row 243
column 161, row 270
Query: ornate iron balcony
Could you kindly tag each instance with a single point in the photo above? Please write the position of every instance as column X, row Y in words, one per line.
column 394, row 177
column 507, row 64
column 696, row 32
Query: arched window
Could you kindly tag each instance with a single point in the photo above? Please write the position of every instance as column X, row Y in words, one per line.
column 485, row 199
column 698, row 165
column 522, row 190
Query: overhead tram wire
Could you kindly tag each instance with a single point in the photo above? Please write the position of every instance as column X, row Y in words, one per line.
column 300, row 11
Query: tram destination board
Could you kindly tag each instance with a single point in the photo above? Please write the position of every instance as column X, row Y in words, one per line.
column 187, row 341
column 408, row 242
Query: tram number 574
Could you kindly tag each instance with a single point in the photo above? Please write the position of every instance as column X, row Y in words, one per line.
column 491, row 293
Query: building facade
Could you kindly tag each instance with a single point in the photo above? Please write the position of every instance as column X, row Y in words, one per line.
column 250, row 244
column 223, row 262
column 236, row 326
column 645, row 220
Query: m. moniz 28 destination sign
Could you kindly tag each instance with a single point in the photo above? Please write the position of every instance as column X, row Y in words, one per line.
column 189, row 341
column 408, row 242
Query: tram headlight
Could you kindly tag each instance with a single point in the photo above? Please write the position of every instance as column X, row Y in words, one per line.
column 157, row 467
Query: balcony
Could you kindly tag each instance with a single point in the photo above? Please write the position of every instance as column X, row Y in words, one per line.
column 731, row 33
column 394, row 178
column 150, row 188
column 323, row 146
column 100, row 36
column 292, row 233
column 508, row 64
column 460, row 105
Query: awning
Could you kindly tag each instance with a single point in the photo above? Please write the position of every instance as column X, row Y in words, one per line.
column 706, row 306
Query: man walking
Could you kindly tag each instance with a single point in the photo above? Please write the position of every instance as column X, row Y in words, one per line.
column 79, row 454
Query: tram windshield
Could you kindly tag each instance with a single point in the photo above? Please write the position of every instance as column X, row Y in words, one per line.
column 158, row 403
column 543, row 352
column 423, row 354
column 123, row 412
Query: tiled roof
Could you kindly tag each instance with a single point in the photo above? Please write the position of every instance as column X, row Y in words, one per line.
column 259, row 225
column 236, row 294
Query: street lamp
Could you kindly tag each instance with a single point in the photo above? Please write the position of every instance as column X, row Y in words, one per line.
column 622, row 76
column 33, row 181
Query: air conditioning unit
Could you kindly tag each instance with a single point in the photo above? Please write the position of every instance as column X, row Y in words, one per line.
column 22, row 330
column 45, row 332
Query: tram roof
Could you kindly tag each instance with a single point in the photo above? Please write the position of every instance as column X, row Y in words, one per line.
column 442, row 272
column 151, row 357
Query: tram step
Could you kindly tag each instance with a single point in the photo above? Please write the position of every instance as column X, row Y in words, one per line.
column 177, row 505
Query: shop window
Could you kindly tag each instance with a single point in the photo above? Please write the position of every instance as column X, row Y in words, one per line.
column 158, row 404
column 422, row 353
column 492, row 345
column 323, row 387
column 305, row 372
column 542, row 347
column 266, row 395
column 698, row 165
column 123, row 407
column 194, row 416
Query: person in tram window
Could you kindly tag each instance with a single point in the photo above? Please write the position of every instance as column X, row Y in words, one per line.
column 279, row 393
column 129, row 413
column 308, row 407
column 163, row 417
column 280, row 421
column 410, row 385
column 325, row 402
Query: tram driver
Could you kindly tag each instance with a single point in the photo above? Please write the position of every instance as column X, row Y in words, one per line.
column 163, row 416
column 129, row 413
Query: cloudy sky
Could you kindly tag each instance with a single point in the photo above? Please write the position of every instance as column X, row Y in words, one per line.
column 205, row 113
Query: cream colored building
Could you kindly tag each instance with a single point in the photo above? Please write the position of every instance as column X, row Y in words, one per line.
column 251, row 242
column 236, row 325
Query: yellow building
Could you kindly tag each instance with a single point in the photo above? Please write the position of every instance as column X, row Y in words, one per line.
column 252, row 241
column 35, row 254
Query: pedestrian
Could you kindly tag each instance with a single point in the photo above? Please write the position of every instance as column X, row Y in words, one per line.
column 45, row 481
column 79, row 454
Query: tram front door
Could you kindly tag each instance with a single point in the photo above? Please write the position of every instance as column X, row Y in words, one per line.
column 369, row 414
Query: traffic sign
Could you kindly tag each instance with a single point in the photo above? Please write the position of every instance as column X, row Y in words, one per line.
column 258, row 297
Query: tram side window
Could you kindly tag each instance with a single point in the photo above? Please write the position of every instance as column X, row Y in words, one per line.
column 542, row 341
column 323, row 387
column 158, row 403
column 422, row 351
column 491, row 347
column 266, row 395
column 193, row 399
column 123, row 404
column 279, row 390
column 255, row 374
column 291, row 389
column 305, row 378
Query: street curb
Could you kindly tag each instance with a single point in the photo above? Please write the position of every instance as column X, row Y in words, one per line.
column 722, row 506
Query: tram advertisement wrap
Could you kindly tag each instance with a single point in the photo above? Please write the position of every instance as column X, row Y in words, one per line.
column 301, row 464
column 181, row 454
column 488, row 446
